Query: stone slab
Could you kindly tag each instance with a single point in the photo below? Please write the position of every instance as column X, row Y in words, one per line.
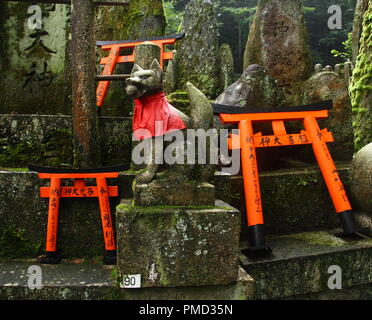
column 98, row 2
column 90, row 281
column 178, row 246
column 299, row 264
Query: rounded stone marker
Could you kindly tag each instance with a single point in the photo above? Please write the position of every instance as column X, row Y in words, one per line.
column 145, row 53
column 361, row 178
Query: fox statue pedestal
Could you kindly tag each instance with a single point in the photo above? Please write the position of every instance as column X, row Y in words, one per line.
column 178, row 246
column 158, row 193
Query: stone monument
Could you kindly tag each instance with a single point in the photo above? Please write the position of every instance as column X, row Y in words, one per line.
column 198, row 52
column 174, row 232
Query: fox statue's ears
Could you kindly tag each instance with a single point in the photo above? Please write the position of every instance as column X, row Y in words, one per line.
column 136, row 68
column 155, row 66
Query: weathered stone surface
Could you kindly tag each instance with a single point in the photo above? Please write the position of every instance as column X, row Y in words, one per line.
column 255, row 88
column 364, row 222
column 227, row 66
column 92, row 281
column 198, row 52
column 293, row 200
column 169, row 193
column 361, row 178
column 116, row 140
column 170, row 75
column 299, row 264
column 360, row 10
column 361, row 84
column 46, row 140
column 201, row 111
column 67, row 281
column 145, row 53
column 141, row 19
column 278, row 41
column 329, row 86
column 356, row 293
column 179, row 246
column 32, row 61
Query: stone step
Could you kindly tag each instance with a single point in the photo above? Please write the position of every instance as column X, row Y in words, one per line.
column 91, row 281
column 300, row 262
column 297, row 269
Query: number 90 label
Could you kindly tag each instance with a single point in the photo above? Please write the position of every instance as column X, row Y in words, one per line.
column 131, row 281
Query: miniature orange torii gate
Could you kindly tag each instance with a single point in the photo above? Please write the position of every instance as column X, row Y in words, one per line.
column 114, row 57
column 247, row 141
column 79, row 190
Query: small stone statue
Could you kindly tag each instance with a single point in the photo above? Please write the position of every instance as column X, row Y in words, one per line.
column 155, row 118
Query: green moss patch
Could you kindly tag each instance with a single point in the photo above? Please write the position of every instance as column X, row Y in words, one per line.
column 14, row 244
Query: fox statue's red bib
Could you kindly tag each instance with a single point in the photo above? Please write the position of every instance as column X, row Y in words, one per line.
column 155, row 116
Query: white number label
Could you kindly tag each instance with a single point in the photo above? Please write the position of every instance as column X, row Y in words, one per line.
column 131, row 281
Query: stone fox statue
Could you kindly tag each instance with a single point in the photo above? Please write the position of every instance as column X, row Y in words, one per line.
column 154, row 116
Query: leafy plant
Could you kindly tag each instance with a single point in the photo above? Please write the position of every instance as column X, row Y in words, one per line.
column 347, row 53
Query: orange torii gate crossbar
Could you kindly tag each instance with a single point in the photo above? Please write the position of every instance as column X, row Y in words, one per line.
column 79, row 190
column 247, row 142
column 114, row 57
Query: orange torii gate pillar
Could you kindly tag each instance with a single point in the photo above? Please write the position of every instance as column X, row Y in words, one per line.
column 247, row 141
column 79, row 190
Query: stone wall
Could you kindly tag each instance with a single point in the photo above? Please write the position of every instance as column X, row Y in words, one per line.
column 47, row 140
column 23, row 214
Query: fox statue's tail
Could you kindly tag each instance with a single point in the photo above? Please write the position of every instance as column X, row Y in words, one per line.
column 201, row 117
column 201, row 112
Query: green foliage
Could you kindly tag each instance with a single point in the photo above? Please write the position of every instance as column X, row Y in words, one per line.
column 361, row 87
column 174, row 18
column 328, row 46
column 347, row 54
column 235, row 17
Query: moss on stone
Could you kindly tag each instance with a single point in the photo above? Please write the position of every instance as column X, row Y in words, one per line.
column 197, row 58
column 56, row 149
column 180, row 102
column 178, row 95
column 14, row 244
column 361, row 85
column 167, row 245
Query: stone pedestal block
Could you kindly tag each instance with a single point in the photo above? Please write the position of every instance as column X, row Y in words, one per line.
column 178, row 246
column 160, row 193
